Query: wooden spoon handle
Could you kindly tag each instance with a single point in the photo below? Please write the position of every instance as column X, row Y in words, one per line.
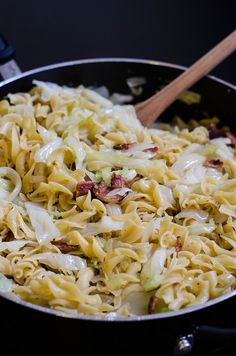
column 149, row 110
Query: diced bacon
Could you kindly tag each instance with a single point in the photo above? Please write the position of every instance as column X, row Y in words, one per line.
column 104, row 193
column 100, row 189
column 232, row 138
column 151, row 149
column 117, row 181
column 124, row 146
column 214, row 163
column 101, row 192
column 64, row 247
column 104, row 133
column 214, row 132
column 82, row 188
column 178, row 247
column 152, row 304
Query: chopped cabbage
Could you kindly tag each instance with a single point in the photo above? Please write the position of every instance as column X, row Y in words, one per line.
column 96, row 98
column 106, row 224
column 14, row 180
column 43, row 225
column 47, row 135
column 43, row 153
column 51, row 143
column 198, row 228
column 13, row 246
column 120, row 99
column 151, row 275
column 186, row 162
column 5, row 188
column 227, row 210
column 49, row 89
column 60, row 261
column 128, row 115
column 106, row 174
column 78, row 150
column 198, row 215
column 137, row 302
column 103, row 91
column 6, row 284
column 113, row 209
column 167, row 192
column 142, row 166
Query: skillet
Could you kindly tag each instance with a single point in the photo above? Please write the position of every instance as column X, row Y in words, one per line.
column 218, row 99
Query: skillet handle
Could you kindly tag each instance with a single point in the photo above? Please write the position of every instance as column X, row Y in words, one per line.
column 8, row 67
column 206, row 338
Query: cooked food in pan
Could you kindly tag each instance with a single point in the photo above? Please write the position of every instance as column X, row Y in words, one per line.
column 100, row 215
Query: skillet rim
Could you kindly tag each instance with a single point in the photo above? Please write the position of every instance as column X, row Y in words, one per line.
column 108, row 59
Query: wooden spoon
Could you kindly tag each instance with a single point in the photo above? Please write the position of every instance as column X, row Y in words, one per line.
column 149, row 110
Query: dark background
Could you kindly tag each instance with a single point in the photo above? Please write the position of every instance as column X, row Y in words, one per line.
column 45, row 32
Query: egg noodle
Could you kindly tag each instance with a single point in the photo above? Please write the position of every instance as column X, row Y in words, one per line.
column 100, row 215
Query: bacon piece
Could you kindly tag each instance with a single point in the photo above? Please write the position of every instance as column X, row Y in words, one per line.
column 104, row 133
column 101, row 191
column 82, row 188
column 64, row 247
column 214, row 132
column 124, row 146
column 117, row 181
column 214, row 163
column 232, row 138
column 178, row 247
column 152, row 304
column 152, row 149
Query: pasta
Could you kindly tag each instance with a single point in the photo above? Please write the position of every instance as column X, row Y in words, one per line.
column 100, row 215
